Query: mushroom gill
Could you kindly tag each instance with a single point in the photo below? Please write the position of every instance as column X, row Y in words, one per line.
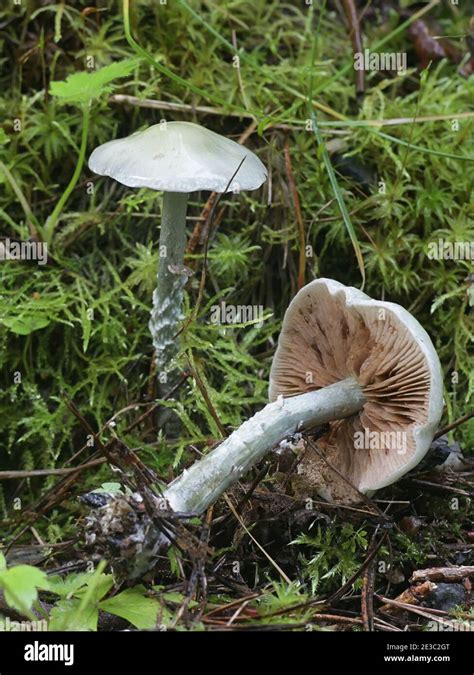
column 328, row 336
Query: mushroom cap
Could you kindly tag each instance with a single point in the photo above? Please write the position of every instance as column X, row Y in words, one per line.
column 331, row 332
column 178, row 157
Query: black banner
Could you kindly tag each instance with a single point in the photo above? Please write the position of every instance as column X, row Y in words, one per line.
column 442, row 652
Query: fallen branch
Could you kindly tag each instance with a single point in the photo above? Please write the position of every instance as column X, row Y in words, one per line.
column 432, row 615
column 7, row 475
column 454, row 425
column 356, row 39
column 439, row 486
column 176, row 107
column 298, row 216
column 443, row 574
column 367, row 598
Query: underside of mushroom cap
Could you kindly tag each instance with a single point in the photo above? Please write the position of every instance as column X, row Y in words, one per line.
column 179, row 157
column 331, row 332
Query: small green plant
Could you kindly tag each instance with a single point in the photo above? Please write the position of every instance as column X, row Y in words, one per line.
column 337, row 556
column 283, row 603
column 81, row 89
column 82, row 596
column 78, row 598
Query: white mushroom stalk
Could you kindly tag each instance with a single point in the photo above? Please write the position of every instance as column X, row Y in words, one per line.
column 176, row 158
column 171, row 278
column 206, row 480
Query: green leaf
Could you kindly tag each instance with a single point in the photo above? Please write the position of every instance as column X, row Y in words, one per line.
column 67, row 586
column 86, row 329
column 57, row 23
column 65, row 615
column 132, row 605
column 96, row 585
column 3, row 562
column 24, row 325
column 20, row 586
column 80, row 88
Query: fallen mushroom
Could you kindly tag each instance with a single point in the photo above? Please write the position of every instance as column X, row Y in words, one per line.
column 176, row 158
column 342, row 359
column 365, row 366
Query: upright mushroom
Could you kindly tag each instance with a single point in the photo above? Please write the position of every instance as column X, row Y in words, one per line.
column 366, row 367
column 176, row 158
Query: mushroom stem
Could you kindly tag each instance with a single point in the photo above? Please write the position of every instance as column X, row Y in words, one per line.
column 168, row 294
column 201, row 485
